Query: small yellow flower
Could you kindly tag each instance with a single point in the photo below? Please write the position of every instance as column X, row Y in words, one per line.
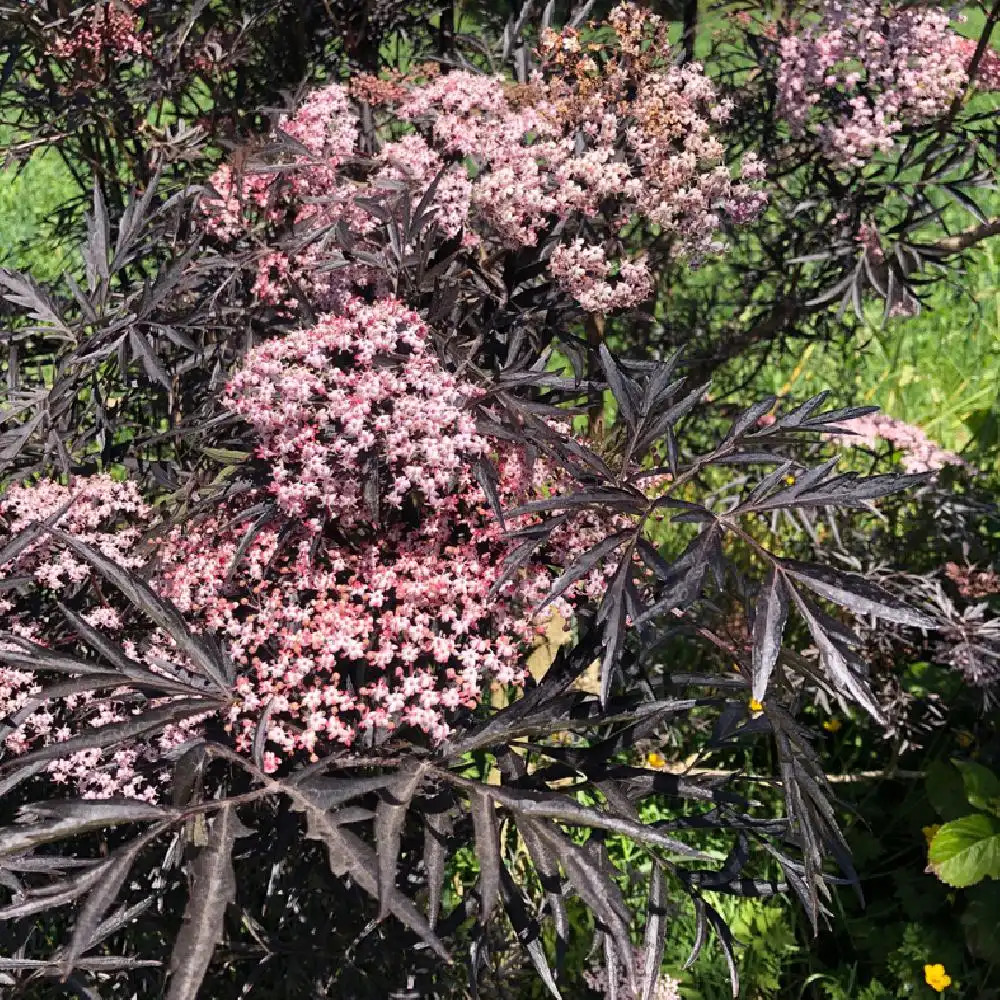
column 656, row 760
column 756, row 706
column 790, row 480
column 964, row 738
column 937, row 979
column 929, row 831
column 833, row 725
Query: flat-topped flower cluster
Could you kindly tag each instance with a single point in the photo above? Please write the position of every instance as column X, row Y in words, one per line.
column 101, row 34
column 369, row 598
column 861, row 73
column 603, row 135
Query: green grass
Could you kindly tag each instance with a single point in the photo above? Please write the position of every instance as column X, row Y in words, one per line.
column 30, row 193
column 939, row 370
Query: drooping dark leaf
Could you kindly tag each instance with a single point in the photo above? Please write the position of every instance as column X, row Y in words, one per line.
column 854, row 592
column 611, row 617
column 748, row 418
column 527, row 930
column 117, row 656
column 56, row 894
column 725, row 937
column 700, row 931
column 537, row 805
column 657, row 426
column 390, row 814
column 594, row 887
column 547, row 866
column 24, row 291
column 436, row 829
column 44, row 823
column 685, row 583
column 583, row 564
column 842, row 677
column 656, row 929
column 150, row 361
column 611, row 967
column 28, row 536
column 626, row 392
column 484, row 821
column 81, row 685
column 768, row 627
column 103, row 737
column 99, row 899
column 141, row 595
column 33, row 657
column 349, row 855
column 330, row 793
column 213, row 888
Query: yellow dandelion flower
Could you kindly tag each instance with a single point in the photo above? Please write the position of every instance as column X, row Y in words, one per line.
column 937, row 979
column 756, row 706
column 833, row 725
column 929, row 831
column 790, row 480
column 656, row 760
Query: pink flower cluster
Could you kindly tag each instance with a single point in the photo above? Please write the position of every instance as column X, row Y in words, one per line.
column 368, row 599
column 376, row 611
column 973, row 583
column 326, row 407
column 108, row 516
column 918, row 452
column 988, row 71
column 583, row 270
column 860, row 74
column 105, row 30
column 590, row 145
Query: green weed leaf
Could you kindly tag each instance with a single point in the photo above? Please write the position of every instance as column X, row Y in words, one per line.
column 967, row 850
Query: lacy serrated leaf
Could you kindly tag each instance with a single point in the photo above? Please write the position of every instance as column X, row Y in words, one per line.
column 141, row 595
column 45, row 823
column 101, row 897
column 839, row 672
column 437, row 826
column 656, row 929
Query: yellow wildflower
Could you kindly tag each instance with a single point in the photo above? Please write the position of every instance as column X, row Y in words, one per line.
column 833, row 725
column 756, row 706
column 929, row 831
column 937, row 979
column 656, row 760
column 790, row 480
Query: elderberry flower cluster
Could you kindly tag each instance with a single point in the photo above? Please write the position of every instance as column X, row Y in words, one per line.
column 860, row 74
column 108, row 516
column 602, row 135
column 918, row 453
column 372, row 605
column 336, row 421
column 988, row 71
column 368, row 597
column 100, row 33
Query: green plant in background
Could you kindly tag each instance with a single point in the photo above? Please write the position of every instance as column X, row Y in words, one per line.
column 965, row 850
column 30, row 194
